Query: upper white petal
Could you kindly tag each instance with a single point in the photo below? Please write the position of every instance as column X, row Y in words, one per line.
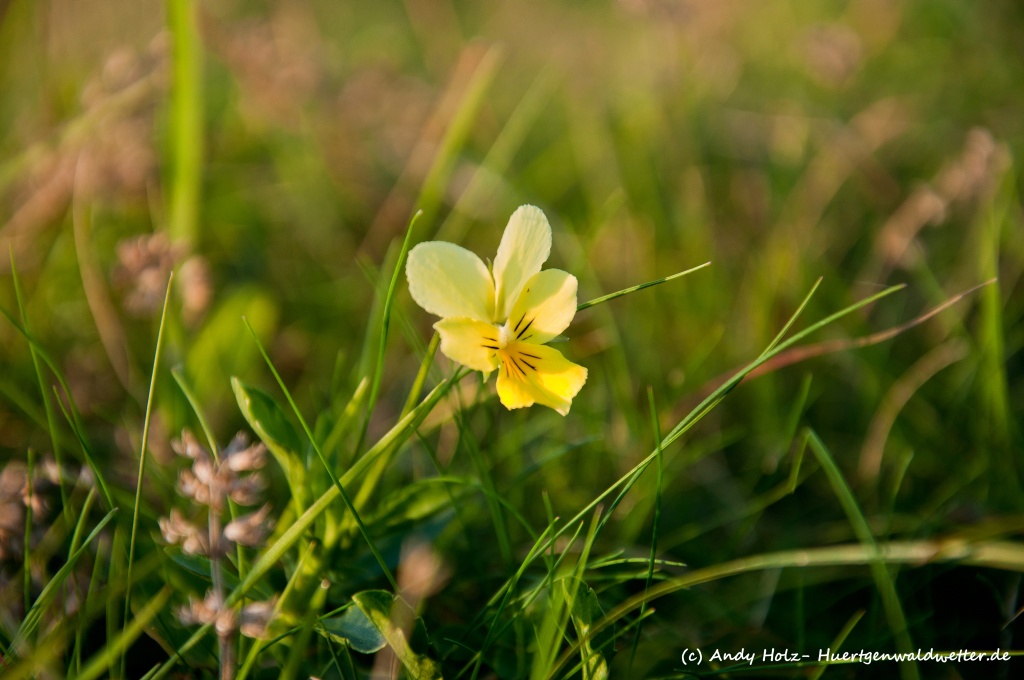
column 524, row 247
column 450, row 281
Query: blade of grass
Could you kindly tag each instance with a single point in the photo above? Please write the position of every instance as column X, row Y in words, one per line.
column 799, row 354
column 80, row 632
column 115, row 573
column 76, row 536
column 70, row 414
column 883, row 580
column 385, row 324
column 792, row 319
column 104, row 315
column 421, row 375
column 838, row 640
column 345, row 421
column 258, row 646
column 142, row 456
column 793, row 422
column 470, row 445
column 633, row 289
column 711, row 400
column 560, row 604
column 872, row 451
column 656, row 429
column 186, row 121
column 44, row 392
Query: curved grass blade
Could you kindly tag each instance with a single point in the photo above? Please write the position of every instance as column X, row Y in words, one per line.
column 886, row 588
column 50, row 419
column 71, row 414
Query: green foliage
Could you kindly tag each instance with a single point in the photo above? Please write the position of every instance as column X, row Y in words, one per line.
column 813, row 442
column 270, row 424
column 383, row 609
column 355, row 629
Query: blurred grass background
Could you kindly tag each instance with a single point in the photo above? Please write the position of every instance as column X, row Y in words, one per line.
column 273, row 153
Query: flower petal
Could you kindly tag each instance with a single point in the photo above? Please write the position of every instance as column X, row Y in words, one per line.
column 469, row 342
column 524, row 247
column 537, row 374
column 545, row 307
column 448, row 280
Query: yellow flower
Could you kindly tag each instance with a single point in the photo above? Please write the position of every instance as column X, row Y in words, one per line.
column 500, row 318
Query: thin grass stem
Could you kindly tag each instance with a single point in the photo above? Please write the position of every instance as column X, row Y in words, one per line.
column 633, row 289
column 144, row 446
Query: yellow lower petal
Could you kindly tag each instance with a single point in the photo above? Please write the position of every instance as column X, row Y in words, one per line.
column 535, row 374
column 469, row 342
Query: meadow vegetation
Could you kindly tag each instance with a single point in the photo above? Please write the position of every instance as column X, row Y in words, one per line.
column 206, row 209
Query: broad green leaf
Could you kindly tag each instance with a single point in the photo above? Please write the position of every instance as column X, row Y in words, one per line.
column 387, row 614
column 586, row 610
column 272, row 427
column 354, row 629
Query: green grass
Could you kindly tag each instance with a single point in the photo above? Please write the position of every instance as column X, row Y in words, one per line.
column 811, row 443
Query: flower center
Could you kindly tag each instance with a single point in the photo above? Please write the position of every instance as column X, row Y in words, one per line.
column 505, row 336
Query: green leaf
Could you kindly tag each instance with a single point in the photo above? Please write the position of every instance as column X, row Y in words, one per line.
column 586, row 611
column 388, row 614
column 585, row 607
column 354, row 629
column 272, row 427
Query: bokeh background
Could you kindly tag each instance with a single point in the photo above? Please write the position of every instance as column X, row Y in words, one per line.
column 273, row 153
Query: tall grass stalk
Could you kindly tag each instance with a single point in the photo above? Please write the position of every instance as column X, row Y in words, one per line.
column 143, row 448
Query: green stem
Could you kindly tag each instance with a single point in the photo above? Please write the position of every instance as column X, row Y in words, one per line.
column 186, row 121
